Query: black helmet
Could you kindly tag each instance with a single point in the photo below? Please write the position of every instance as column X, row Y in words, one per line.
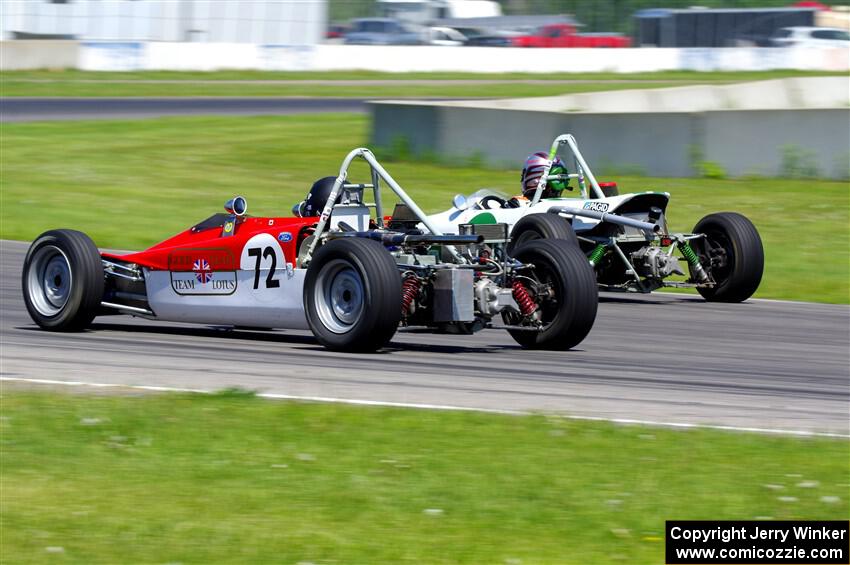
column 316, row 199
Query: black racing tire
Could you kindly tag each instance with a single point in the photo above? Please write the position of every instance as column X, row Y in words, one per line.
column 352, row 295
column 62, row 280
column 541, row 226
column 734, row 233
column 568, row 319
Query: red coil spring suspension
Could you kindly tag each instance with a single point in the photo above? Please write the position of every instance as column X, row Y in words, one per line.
column 409, row 292
column 523, row 299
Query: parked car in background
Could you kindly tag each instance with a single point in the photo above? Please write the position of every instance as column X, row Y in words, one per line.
column 381, row 31
column 336, row 31
column 445, row 36
column 503, row 38
column 468, row 32
column 811, row 37
column 565, row 35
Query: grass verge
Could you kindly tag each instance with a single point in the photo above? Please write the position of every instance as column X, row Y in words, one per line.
column 233, row 478
column 435, row 90
column 132, row 183
column 260, row 83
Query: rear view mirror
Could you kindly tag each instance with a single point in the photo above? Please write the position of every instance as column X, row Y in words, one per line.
column 459, row 202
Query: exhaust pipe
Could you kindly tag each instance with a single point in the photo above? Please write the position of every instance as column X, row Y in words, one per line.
column 606, row 217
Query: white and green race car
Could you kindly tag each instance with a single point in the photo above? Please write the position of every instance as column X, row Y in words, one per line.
column 624, row 236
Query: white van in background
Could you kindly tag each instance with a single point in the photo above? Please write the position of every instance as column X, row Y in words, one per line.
column 423, row 11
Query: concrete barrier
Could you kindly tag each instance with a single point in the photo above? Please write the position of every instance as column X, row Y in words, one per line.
column 780, row 94
column 776, row 142
column 111, row 56
column 26, row 54
column 491, row 59
column 762, row 128
column 202, row 56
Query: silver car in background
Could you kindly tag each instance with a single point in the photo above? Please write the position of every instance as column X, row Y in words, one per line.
column 382, row 31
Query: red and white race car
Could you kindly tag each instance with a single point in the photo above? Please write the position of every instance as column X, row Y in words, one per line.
column 338, row 267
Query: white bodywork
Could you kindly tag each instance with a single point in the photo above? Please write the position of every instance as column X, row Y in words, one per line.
column 469, row 210
column 448, row 221
column 251, row 296
column 281, row 307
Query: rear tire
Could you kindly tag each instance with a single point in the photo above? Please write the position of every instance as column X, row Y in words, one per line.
column 62, row 280
column 352, row 295
column 541, row 226
column 739, row 278
column 569, row 318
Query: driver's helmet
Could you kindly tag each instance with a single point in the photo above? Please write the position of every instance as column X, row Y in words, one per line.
column 316, row 199
column 533, row 170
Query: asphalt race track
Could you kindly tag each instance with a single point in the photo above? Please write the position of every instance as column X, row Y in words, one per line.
column 661, row 358
column 15, row 109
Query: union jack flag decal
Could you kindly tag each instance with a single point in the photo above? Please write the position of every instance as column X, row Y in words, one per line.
column 202, row 271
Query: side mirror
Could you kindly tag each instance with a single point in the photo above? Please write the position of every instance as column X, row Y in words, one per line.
column 236, row 206
column 459, row 202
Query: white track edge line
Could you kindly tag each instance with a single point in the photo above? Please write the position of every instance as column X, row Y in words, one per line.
column 697, row 297
column 448, row 407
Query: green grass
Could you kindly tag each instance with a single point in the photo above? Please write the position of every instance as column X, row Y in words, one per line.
column 230, row 478
column 87, row 84
column 437, row 90
column 130, row 184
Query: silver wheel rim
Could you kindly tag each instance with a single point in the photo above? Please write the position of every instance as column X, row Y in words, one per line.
column 49, row 280
column 339, row 296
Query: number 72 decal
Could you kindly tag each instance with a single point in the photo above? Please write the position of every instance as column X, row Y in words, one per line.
column 263, row 253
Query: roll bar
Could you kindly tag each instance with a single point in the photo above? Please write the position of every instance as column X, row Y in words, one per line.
column 377, row 172
column 583, row 169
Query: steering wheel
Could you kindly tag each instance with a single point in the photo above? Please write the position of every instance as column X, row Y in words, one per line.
column 484, row 203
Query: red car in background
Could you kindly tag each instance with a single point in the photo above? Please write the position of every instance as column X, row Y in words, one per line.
column 565, row 35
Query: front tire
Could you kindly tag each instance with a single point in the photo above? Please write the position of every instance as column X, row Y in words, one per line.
column 732, row 254
column 568, row 314
column 541, row 226
column 62, row 280
column 352, row 295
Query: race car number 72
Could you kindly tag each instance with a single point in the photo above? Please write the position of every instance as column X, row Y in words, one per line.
column 261, row 254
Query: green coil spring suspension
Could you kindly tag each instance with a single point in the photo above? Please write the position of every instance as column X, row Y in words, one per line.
column 597, row 254
column 693, row 259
